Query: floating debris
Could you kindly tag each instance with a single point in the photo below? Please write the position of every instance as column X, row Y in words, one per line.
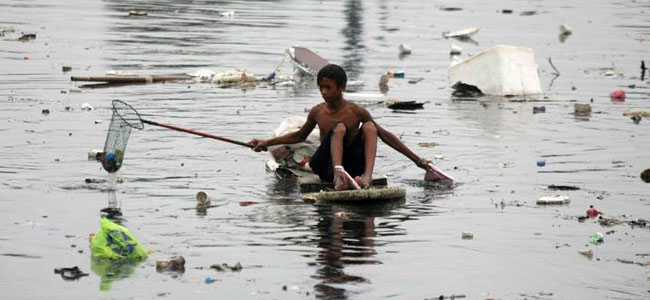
column 427, row 144
column 172, row 264
column 597, row 238
column 466, row 235
column 66, row 69
column 406, row 105
column 137, row 13
column 404, row 50
column 27, row 37
column 461, row 34
column 556, row 187
column 645, row 176
column 553, row 200
column 226, row 268
column 455, row 50
column 617, row 95
column 587, row 252
column 582, row 109
column 539, row 109
column 73, row 273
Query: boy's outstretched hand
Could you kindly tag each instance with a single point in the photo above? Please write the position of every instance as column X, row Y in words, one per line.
column 258, row 145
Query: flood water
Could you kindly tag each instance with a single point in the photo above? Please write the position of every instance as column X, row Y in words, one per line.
column 406, row 250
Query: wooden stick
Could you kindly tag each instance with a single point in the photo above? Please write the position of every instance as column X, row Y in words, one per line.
column 130, row 79
column 207, row 135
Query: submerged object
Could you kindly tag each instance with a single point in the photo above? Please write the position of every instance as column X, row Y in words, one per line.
column 351, row 196
column 500, row 71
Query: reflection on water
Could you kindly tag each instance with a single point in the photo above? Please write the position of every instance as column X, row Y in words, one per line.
column 110, row 270
column 345, row 235
column 353, row 36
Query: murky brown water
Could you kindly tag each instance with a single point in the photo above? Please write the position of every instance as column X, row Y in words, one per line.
column 407, row 250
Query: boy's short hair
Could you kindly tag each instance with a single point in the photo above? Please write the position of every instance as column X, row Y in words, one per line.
column 334, row 72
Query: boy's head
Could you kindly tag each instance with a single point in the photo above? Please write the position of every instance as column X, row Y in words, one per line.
column 333, row 72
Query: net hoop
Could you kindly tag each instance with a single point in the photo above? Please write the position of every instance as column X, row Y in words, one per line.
column 127, row 114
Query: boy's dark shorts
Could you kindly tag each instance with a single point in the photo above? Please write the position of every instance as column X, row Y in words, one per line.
column 354, row 160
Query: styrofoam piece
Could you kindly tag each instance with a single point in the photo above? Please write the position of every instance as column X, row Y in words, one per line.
column 463, row 33
column 553, row 200
column 500, row 70
column 453, row 49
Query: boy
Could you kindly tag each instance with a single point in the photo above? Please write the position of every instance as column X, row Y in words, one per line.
column 348, row 136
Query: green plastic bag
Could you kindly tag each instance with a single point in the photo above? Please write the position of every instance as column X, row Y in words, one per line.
column 114, row 241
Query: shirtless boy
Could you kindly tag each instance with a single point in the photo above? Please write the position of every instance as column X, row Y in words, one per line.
column 348, row 136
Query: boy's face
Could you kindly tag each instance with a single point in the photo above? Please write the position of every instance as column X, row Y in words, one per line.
column 329, row 90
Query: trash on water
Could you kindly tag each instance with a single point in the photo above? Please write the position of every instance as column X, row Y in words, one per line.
column 247, row 203
column 565, row 29
column 636, row 119
column 608, row 222
column 539, row 109
column 617, row 95
column 404, row 50
column 383, row 82
column 66, row 68
column 415, row 80
column 94, row 154
column 405, row 105
column 500, row 70
column 75, row 89
column 202, row 199
column 541, row 162
column 45, row 111
column 86, row 107
column 427, row 144
column 466, row 90
column 27, row 37
column 565, row 32
column 137, row 13
column 506, row 11
column 645, row 175
column 395, row 74
column 563, row 187
column 98, row 121
column 597, row 238
column 73, row 273
column 551, row 200
column 586, row 252
column 582, row 109
column 455, row 50
column 226, row 268
column 466, row 235
column 230, row 13
column 465, row 33
column 172, row 264
column 114, row 241
column 528, row 13
column 209, row 280
column 592, row 212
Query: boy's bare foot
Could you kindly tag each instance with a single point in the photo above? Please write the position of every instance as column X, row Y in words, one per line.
column 364, row 181
column 343, row 180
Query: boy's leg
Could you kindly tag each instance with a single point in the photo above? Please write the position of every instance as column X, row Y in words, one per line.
column 369, row 130
column 342, row 180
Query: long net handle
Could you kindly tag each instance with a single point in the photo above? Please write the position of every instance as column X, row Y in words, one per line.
column 203, row 134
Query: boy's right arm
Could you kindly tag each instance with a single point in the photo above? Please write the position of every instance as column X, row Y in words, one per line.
column 289, row 138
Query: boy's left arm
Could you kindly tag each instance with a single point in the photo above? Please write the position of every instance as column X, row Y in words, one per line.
column 393, row 141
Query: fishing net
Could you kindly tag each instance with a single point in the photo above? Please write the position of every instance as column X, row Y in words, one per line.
column 123, row 120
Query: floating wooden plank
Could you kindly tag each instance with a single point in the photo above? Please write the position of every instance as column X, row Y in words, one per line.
column 130, row 79
column 374, row 194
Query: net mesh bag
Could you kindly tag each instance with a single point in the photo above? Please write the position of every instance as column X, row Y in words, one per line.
column 123, row 120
